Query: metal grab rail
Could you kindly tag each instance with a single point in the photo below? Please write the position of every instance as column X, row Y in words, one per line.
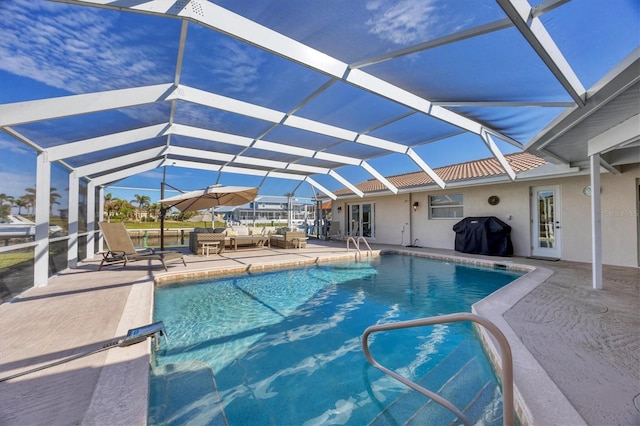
column 366, row 244
column 356, row 243
column 507, row 360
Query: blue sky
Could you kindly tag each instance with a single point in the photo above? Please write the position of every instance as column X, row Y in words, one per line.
column 50, row 49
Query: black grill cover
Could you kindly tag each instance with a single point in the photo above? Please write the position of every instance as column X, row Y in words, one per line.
column 483, row 235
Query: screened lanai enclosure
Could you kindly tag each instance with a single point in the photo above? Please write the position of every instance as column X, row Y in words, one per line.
column 298, row 97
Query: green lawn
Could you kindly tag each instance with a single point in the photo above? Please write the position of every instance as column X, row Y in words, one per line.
column 10, row 259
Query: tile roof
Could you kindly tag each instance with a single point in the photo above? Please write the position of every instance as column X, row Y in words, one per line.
column 487, row 167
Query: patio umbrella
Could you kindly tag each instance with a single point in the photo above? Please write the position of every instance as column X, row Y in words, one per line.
column 212, row 196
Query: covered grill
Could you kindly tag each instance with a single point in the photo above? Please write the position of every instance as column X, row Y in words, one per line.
column 483, row 235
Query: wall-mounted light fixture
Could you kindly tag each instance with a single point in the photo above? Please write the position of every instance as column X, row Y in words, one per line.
column 415, row 206
column 339, row 209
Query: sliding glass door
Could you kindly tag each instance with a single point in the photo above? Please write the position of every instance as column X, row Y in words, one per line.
column 361, row 220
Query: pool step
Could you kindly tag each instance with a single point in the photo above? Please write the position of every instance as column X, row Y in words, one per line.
column 461, row 379
column 185, row 393
column 486, row 406
column 461, row 390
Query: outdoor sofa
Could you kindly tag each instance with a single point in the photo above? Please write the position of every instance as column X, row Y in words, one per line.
column 247, row 236
column 289, row 239
column 232, row 238
column 206, row 235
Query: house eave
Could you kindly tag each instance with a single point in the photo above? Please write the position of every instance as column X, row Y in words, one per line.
column 547, row 171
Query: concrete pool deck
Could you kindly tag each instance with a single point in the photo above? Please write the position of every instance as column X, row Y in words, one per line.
column 576, row 350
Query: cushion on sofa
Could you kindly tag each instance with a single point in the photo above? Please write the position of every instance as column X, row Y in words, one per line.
column 256, row 230
column 241, row 230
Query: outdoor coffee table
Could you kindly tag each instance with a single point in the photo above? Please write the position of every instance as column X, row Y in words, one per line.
column 206, row 246
column 257, row 240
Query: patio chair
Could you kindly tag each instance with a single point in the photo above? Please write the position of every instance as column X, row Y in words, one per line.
column 122, row 250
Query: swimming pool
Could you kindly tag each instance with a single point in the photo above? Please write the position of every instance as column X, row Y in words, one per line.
column 283, row 347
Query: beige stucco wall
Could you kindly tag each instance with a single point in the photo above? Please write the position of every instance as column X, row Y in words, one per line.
column 619, row 217
column 393, row 219
column 513, row 209
column 396, row 222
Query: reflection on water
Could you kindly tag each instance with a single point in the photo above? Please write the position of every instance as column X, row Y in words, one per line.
column 285, row 349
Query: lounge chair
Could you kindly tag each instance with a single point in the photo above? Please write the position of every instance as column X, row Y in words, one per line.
column 122, row 250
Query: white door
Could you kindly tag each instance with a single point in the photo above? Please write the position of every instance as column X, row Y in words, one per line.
column 360, row 220
column 546, row 235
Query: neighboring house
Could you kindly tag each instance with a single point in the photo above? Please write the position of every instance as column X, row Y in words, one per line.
column 268, row 208
column 547, row 207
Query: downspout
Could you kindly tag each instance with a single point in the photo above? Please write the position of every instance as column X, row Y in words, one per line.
column 412, row 241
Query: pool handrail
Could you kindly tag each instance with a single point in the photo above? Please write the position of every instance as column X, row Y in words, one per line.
column 507, row 360
column 356, row 243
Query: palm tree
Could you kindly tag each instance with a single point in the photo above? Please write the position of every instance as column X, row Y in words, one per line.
column 142, row 201
column 5, row 210
column 29, row 198
column 153, row 210
column 53, row 199
column 108, row 205
column 115, row 206
column 22, row 202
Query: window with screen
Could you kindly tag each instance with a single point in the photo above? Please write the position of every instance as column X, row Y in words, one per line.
column 445, row 206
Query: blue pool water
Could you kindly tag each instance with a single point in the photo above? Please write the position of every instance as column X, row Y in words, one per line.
column 284, row 347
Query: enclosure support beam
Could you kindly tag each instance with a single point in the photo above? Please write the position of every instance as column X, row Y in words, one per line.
column 72, row 247
column 596, row 223
column 41, row 251
column 91, row 217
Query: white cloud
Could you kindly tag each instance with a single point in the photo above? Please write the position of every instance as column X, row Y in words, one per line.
column 155, row 174
column 152, row 113
column 64, row 46
column 238, row 67
column 8, row 145
column 14, row 184
column 84, row 50
column 189, row 113
column 402, row 22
